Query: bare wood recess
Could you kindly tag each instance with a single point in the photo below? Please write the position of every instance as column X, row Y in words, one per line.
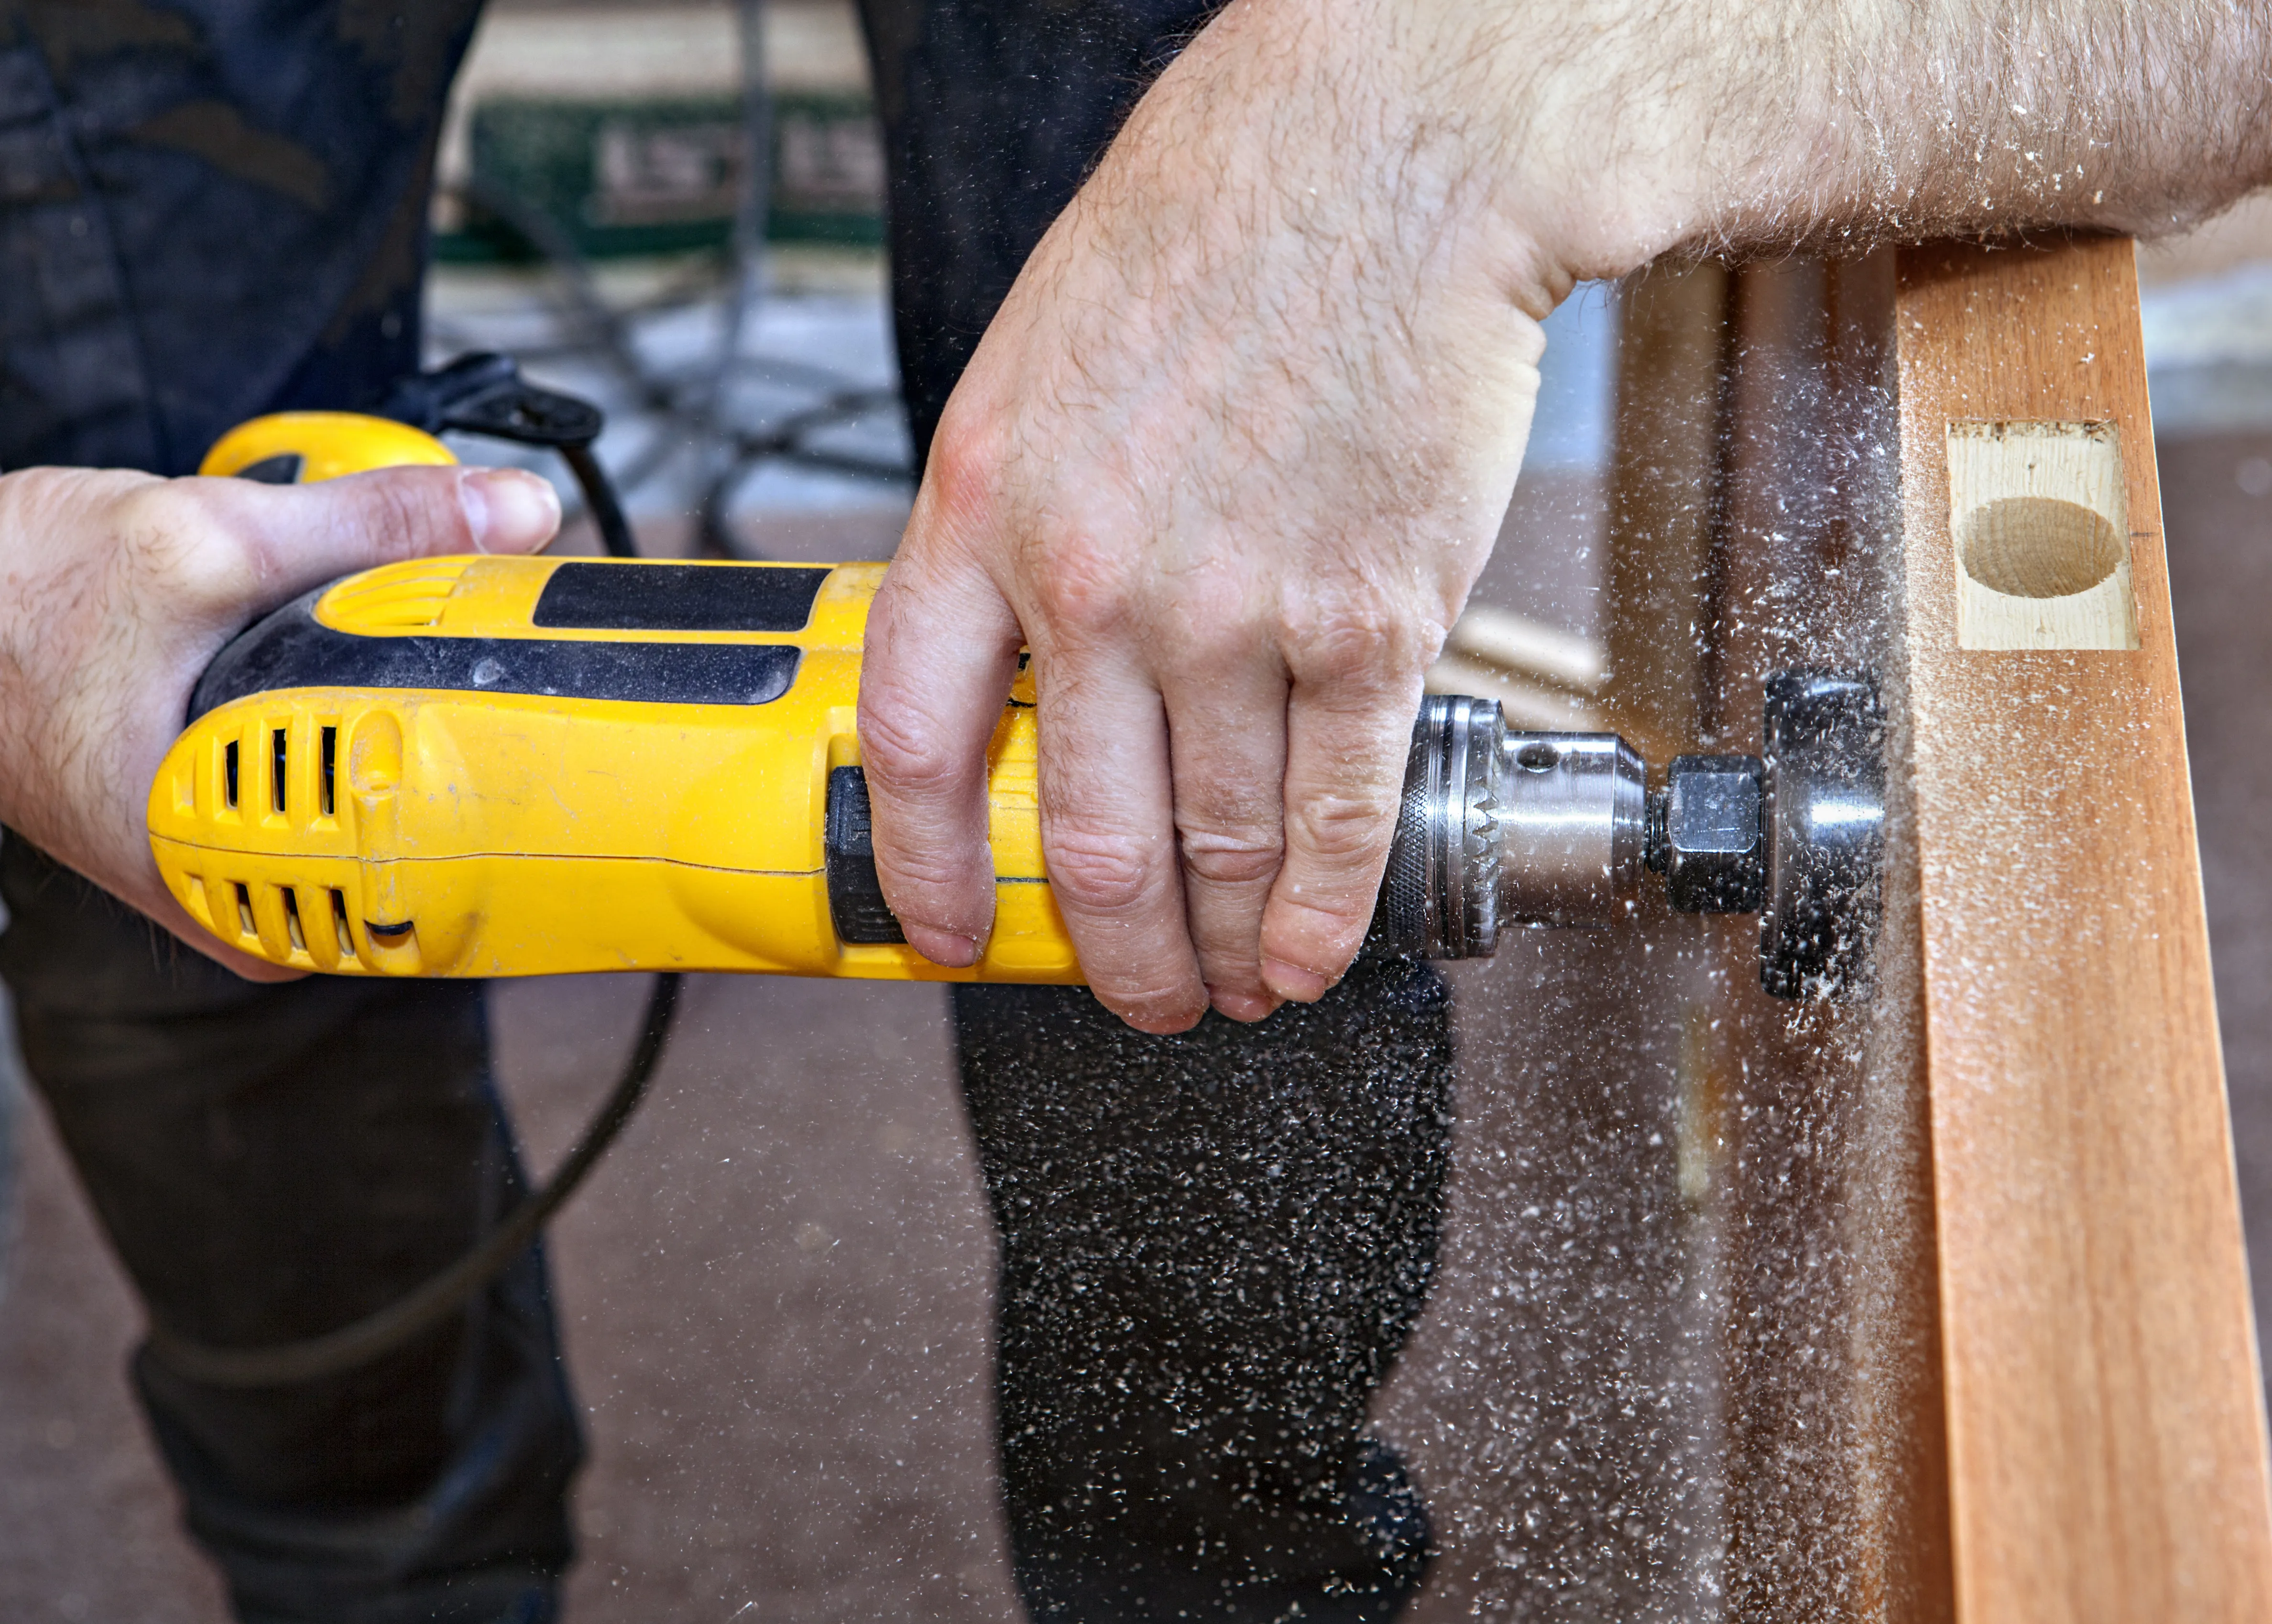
column 2107, row 1456
column 2038, row 515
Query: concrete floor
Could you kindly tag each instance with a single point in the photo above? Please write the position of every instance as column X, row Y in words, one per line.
column 777, row 1290
column 776, row 1295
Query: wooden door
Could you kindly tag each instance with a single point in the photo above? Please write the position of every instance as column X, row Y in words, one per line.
column 1989, row 1353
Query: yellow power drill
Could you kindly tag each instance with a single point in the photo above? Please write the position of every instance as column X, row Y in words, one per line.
column 530, row 765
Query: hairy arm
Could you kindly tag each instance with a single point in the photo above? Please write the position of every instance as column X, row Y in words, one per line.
column 1236, row 447
column 1745, row 128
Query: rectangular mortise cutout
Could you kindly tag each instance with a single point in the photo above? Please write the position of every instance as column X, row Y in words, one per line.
column 2037, row 519
column 229, row 773
column 330, row 758
column 279, row 761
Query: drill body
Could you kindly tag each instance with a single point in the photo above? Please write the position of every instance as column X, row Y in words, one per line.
column 501, row 766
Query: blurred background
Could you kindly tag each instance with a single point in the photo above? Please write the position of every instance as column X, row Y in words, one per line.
column 777, row 1291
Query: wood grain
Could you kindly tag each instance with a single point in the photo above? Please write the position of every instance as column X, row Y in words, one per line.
column 2106, row 1444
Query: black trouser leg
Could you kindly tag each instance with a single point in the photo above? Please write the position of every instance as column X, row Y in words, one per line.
column 1213, row 1246
column 271, row 1162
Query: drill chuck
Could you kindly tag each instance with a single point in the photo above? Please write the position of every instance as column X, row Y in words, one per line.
column 1502, row 826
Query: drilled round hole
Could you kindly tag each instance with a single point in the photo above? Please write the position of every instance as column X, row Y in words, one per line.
column 1537, row 756
column 2038, row 547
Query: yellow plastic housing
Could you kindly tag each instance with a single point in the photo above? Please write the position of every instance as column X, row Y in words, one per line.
column 329, row 445
column 455, row 832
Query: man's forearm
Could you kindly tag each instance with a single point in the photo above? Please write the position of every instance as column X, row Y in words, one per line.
column 1634, row 129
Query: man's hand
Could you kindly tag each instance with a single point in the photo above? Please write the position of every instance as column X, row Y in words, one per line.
column 117, row 589
column 1230, row 475
column 1234, row 449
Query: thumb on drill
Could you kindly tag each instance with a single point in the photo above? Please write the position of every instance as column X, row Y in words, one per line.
column 299, row 537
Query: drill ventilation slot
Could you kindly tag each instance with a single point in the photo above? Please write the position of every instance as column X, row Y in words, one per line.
column 404, row 597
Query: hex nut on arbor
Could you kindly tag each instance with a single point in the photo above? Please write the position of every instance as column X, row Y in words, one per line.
column 1707, row 837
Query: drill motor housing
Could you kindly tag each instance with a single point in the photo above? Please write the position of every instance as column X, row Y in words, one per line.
column 510, row 766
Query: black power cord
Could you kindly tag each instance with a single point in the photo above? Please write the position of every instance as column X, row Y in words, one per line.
column 412, row 1315
column 482, row 394
column 696, row 412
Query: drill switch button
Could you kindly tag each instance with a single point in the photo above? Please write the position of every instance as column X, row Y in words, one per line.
column 856, row 896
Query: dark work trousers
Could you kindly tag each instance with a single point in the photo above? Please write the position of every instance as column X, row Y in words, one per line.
column 271, row 1162
column 1213, row 1245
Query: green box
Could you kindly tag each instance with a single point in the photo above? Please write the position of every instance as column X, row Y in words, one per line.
column 658, row 176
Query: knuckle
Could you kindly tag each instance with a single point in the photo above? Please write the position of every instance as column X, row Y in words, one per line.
column 1082, row 586
column 178, row 541
column 1099, row 873
column 901, row 755
column 1210, row 622
column 923, row 875
column 1322, row 941
column 1226, row 858
column 161, row 514
column 402, row 514
column 1347, row 637
column 963, row 472
column 1342, row 826
column 1312, row 929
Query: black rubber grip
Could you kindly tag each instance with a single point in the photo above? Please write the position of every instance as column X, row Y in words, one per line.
column 862, row 917
column 291, row 648
column 677, row 597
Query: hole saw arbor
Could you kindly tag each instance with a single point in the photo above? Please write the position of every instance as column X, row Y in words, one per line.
column 1986, row 1348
